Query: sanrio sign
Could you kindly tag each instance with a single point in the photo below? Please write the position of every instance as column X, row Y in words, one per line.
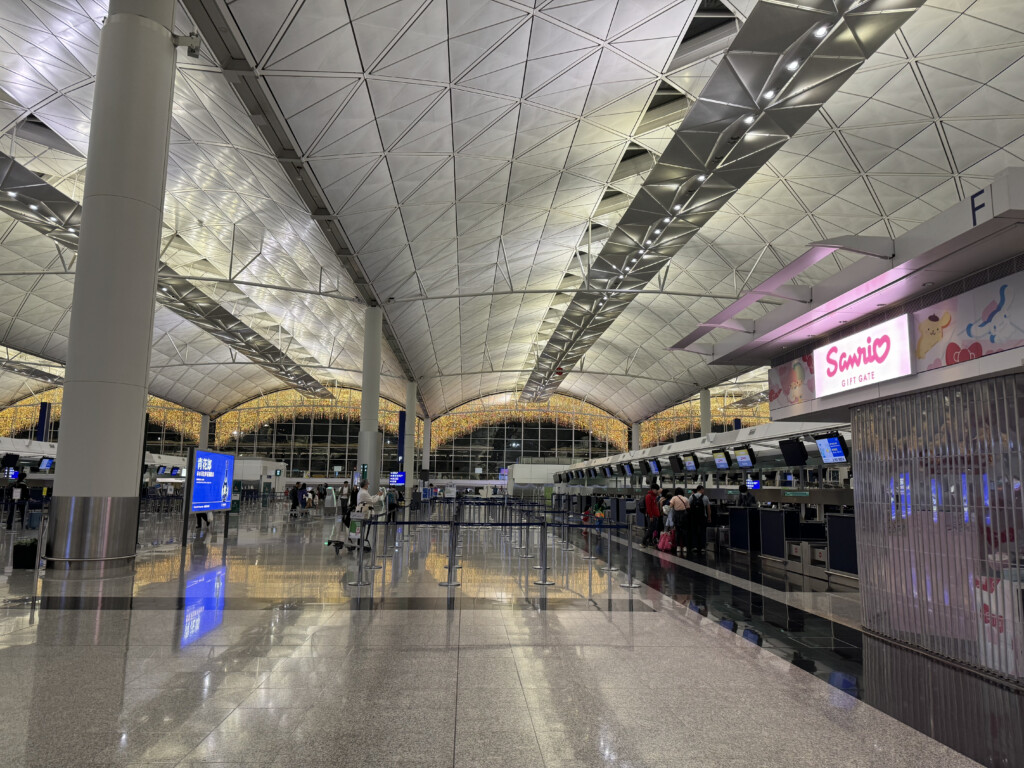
column 877, row 354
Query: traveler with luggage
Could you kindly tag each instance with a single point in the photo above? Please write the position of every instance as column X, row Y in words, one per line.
column 652, row 508
column 680, row 513
column 697, row 521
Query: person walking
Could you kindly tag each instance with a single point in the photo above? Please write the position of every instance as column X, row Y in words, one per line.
column 697, row 521
column 652, row 508
column 680, row 512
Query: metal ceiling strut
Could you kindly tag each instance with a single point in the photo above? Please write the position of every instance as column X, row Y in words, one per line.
column 786, row 61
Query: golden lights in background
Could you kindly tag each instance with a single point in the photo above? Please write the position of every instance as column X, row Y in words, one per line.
column 563, row 410
column 289, row 404
column 663, row 427
column 22, row 415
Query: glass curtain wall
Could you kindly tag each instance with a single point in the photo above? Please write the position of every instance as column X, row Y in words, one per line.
column 482, row 437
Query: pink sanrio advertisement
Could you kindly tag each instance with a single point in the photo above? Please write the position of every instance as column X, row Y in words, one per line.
column 980, row 322
column 791, row 383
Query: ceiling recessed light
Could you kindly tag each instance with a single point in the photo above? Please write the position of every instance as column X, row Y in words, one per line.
column 657, row 231
column 794, row 65
column 677, row 207
column 53, row 218
column 33, row 207
column 649, row 242
column 748, row 119
column 666, row 220
column 821, row 31
column 702, row 177
column 769, row 94
column 71, row 230
column 163, row 288
column 12, row 194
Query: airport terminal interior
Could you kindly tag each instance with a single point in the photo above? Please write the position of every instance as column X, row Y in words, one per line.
column 533, row 383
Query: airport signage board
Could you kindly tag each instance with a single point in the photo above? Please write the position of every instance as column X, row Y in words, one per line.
column 879, row 353
column 212, row 478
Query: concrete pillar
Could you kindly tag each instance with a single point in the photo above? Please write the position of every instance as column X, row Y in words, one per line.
column 409, row 459
column 634, row 443
column 426, row 444
column 705, row 412
column 204, row 432
column 368, row 452
column 94, row 513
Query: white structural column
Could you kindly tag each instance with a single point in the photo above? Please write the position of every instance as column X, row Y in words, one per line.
column 425, row 465
column 634, row 444
column 705, row 412
column 368, row 452
column 204, row 432
column 94, row 514
column 409, row 456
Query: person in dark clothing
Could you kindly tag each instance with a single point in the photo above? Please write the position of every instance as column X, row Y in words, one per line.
column 697, row 521
column 746, row 498
column 652, row 508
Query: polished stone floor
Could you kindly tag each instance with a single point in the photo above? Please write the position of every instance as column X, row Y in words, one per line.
column 251, row 649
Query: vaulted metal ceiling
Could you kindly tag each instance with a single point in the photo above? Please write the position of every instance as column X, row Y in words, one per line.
column 463, row 162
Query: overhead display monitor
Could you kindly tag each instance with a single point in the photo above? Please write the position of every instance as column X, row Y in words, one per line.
column 175, row 471
column 655, row 466
column 690, row 462
column 396, row 478
column 676, row 462
column 204, row 604
column 832, row 449
column 45, row 463
column 752, row 484
column 628, row 469
column 607, row 471
column 722, row 459
column 212, row 478
column 744, row 457
column 794, row 453
column 879, row 353
column 161, row 469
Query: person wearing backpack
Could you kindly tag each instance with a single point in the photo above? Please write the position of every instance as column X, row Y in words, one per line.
column 652, row 508
column 697, row 521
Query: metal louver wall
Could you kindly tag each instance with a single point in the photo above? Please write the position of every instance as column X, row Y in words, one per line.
column 940, row 509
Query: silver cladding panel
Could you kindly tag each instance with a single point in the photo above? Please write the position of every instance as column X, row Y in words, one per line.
column 90, row 532
column 752, row 105
column 939, row 514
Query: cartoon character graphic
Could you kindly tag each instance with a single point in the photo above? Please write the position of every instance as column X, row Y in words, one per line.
column 796, row 388
column 929, row 333
column 996, row 324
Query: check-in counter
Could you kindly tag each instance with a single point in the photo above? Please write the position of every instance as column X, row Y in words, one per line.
column 778, row 526
column 744, row 530
column 842, row 550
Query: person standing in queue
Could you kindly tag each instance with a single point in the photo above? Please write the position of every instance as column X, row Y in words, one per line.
column 293, row 495
column 652, row 508
column 680, row 513
column 697, row 521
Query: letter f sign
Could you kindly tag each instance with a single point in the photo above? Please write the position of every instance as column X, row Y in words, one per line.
column 976, row 206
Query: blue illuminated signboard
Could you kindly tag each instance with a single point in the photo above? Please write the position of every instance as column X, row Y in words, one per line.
column 832, row 449
column 204, row 604
column 753, row 485
column 396, row 478
column 212, row 476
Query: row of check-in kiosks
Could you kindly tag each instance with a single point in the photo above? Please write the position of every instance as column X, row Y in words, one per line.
column 779, row 536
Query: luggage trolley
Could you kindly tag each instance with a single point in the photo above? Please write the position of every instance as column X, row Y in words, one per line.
column 349, row 533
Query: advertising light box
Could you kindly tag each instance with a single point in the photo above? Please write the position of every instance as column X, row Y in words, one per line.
column 877, row 354
column 212, row 477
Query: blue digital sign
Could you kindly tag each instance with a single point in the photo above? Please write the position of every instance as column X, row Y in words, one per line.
column 212, row 477
column 204, row 604
column 396, row 478
column 832, row 449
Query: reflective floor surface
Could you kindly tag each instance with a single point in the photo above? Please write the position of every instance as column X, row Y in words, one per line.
column 251, row 649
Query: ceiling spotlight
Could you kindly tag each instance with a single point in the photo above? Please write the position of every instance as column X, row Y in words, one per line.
column 634, row 261
column 641, row 252
column 53, row 218
column 163, row 288
column 702, row 177
column 794, row 65
column 666, row 220
column 677, row 207
column 650, row 242
column 33, row 207
column 12, row 194
column 657, row 231
column 769, row 94
column 71, row 230
column 821, row 31
column 748, row 119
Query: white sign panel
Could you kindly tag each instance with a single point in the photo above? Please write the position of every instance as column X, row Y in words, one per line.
column 877, row 354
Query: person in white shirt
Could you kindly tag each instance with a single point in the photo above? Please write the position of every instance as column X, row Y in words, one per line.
column 364, row 496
